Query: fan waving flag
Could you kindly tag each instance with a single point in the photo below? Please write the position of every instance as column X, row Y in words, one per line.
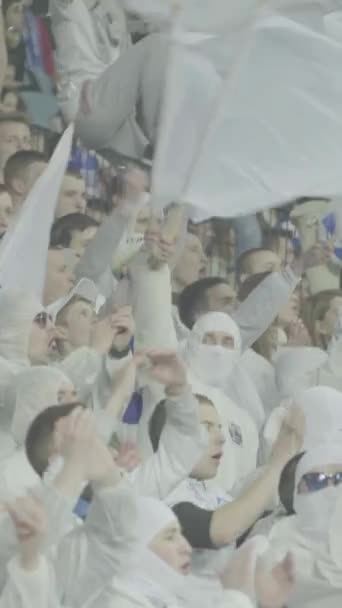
column 252, row 115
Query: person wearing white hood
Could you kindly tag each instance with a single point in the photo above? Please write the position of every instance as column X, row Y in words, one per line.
column 158, row 573
column 313, row 533
column 211, row 355
column 26, row 338
column 31, row 391
column 211, row 520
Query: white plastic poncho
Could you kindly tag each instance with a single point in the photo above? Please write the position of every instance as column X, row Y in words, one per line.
column 220, row 367
column 150, row 582
column 33, row 390
column 210, row 363
column 85, row 289
column 313, row 536
column 241, row 440
column 18, row 310
column 314, row 510
column 208, row 562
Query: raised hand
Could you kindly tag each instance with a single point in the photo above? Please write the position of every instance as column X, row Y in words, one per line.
column 123, row 327
column 274, row 586
column 128, row 456
column 290, row 438
column 167, row 368
column 31, row 523
column 77, row 440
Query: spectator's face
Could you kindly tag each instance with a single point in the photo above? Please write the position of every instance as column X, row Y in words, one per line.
column 219, row 338
column 327, row 326
column 192, row 263
column 205, row 233
column 67, row 394
column 171, row 547
column 14, row 17
column 290, row 313
column 14, row 136
column 80, row 240
column 41, row 341
column 72, row 198
column 208, row 465
column 10, row 102
column 78, row 320
column 22, row 185
column 221, row 298
column 33, row 172
column 264, row 261
column 6, row 210
column 59, row 278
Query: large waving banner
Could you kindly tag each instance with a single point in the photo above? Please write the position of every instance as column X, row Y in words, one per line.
column 252, row 114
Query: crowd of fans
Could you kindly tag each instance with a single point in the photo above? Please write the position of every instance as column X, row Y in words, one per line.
column 170, row 403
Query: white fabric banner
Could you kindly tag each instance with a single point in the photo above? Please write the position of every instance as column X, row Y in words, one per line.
column 253, row 119
column 23, row 250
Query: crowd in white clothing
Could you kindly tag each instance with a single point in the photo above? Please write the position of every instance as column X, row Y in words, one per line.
column 170, row 389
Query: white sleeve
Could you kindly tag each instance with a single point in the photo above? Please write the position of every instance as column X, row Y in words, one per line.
column 152, row 306
column 235, row 599
column 181, row 446
column 27, row 589
column 262, row 306
column 91, row 555
column 99, row 253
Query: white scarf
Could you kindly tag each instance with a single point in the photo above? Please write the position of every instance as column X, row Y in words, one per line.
column 212, row 364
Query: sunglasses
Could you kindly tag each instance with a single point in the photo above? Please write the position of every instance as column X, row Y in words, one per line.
column 42, row 320
column 320, row 481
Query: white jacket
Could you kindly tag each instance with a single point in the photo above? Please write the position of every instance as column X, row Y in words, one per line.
column 27, row 589
column 123, row 597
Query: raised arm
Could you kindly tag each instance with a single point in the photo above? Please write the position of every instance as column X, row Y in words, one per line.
column 182, row 441
column 262, row 306
column 30, row 578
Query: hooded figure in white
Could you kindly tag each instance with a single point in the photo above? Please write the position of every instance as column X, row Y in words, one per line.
column 34, row 390
column 218, row 365
column 31, row 392
column 313, row 534
column 159, row 577
column 18, row 310
column 208, row 367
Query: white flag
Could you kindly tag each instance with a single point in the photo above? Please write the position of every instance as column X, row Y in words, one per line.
column 23, row 250
column 274, row 131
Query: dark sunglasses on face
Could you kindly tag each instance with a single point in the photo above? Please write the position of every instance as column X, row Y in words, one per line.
column 320, row 481
column 42, row 320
